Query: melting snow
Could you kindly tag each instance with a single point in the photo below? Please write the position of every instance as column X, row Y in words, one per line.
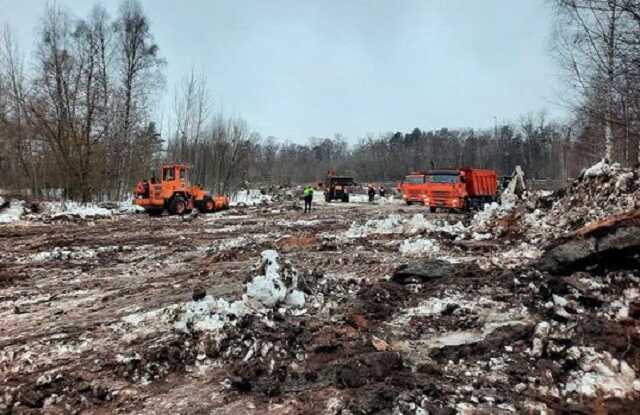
column 394, row 224
column 276, row 285
column 251, row 197
column 600, row 372
column 601, row 168
column 13, row 213
column 418, row 247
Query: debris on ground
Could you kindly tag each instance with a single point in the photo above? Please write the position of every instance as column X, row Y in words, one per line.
column 531, row 306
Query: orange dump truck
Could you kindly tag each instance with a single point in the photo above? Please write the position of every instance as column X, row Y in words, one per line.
column 413, row 188
column 175, row 193
column 462, row 189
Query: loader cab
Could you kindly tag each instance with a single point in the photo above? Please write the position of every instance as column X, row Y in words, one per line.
column 174, row 173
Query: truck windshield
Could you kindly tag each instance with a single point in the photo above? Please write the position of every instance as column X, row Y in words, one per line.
column 414, row 179
column 342, row 182
column 444, row 178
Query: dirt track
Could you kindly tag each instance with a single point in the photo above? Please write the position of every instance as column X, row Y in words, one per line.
column 77, row 335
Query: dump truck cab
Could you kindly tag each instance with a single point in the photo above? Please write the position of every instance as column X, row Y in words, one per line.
column 175, row 193
column 462, row 189
column 413, row 188
column 337, row 188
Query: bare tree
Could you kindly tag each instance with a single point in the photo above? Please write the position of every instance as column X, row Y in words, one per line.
column 139, row 65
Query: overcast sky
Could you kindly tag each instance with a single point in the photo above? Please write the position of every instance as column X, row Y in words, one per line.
column 295, row 69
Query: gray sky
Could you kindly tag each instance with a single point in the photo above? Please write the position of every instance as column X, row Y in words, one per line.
column 295, row 69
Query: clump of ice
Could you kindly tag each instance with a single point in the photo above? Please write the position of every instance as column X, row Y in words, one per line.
column 417, row 247
column 13, row 212
column 253, row 197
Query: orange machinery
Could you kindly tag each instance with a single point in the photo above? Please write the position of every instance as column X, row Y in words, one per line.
column 462, row 189
column 413, row 188
column 175, row 193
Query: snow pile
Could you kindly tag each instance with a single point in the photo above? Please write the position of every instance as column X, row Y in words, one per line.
column 68, row 208
column 12, row 213
column 601, row 191
column 253, row 197
column 601, row 373
column 601, row 168
column 394, row 224
column 358, row 198
column 276, row 285
column 127, row 207
column 419, row 247
column 484, row 222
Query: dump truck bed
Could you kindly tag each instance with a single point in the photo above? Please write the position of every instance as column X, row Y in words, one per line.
column 480, row 182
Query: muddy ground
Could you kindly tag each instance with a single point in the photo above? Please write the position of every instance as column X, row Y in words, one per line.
column 90, row 312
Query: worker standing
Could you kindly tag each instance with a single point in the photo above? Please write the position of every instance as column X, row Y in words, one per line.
column 308, row 198
column 371, row 192
column 382, row 191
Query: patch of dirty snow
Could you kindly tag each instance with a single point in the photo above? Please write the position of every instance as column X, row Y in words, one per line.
column 12, row 213
column 395, row 224
column 601, row 373
column 418, row 247
column 65, row 254
column 515, row 256
column 253, row 197
column 491, row 315
column 298, row 223
column 358, row 198
column 601, row 168
column 622, row 304
column 127, row 207
column 277, row 285
column 69, row 208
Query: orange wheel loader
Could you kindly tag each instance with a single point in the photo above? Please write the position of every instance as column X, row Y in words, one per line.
column 174, row 193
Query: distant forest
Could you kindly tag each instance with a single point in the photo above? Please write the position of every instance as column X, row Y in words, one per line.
column 78, row 115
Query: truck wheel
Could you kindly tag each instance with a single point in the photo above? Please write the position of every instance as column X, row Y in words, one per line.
column 345, row 198
column 178, row 206
column 209, row 205
column 327, row 198
column 432, row 209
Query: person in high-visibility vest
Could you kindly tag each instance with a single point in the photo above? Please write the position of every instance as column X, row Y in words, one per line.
column 308, row 198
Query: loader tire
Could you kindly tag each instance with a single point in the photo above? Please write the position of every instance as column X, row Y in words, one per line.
column 209, row 205
column 178, row 206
